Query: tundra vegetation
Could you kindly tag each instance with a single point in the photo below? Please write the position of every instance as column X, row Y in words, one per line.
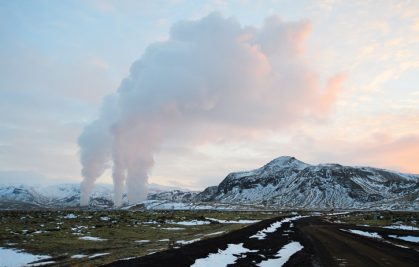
column 95, row 237
column 72, row 236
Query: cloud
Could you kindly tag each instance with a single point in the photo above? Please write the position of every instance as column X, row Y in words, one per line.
column 37, row 133
column 213, row 78
column 22, row 177
column 385, row 151
column 378, row 149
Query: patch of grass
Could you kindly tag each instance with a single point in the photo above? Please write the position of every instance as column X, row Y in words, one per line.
column 380, row 218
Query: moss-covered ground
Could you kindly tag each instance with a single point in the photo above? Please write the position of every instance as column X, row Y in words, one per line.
column 121, row 234
column 380, row 218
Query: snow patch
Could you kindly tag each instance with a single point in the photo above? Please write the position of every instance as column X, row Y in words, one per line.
column 223, row 257
column 273, row 227
column 173, row 228
column 41, row 263
column 188, row 223
column 402, row 227
column 142, row 241
column 98, row 255
column 70, row 216
column 78, row 256
column 284, row 255
column 363, row 233
column 12, row 257
column 92, row 238
column 237, row 221
column 409, row 238
column 338, row 213
column 216, row 233
column 183, row 242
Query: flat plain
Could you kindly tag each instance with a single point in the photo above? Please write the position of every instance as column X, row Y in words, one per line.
column 182, row 238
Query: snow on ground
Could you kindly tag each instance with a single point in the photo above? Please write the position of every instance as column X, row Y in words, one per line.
column 150, row 222
column 12, row 257
column 363, row 233
column 184, row 242
column 216, row 233
column 414, row 239
column 397, row 245
column 284, row 254
column 187, row 223
column 70, row 216
column 223, row 257
column 409, row 238
column 92, row 238
column 78, row 256
column 126, row 259
column 98, row 255
column 173, row 228
column 79, row 229
column 273, row 227
column 402, row 227
column 338, row 213
column 142, row 241
column 170, row 205
column 41, row 263
column 238, row 221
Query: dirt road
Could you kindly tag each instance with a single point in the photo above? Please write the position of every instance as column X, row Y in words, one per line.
column 323, row 244
column 331, row 246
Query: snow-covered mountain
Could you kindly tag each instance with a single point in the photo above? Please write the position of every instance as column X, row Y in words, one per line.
column 68, row 195
column 286, row 182
column 174, row 195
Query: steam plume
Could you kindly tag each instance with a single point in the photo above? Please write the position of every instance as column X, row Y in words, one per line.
column 209, row 72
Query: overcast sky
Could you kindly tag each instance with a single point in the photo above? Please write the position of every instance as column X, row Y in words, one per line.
column 59, row 59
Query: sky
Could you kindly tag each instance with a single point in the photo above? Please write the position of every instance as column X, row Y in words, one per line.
column 345, row 89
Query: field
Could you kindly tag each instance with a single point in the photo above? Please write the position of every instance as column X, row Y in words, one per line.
column 98, row 237
column 118, row 238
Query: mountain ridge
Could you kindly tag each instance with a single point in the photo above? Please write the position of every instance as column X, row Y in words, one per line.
column 288, row 182
column 284, row 182
column 68, row 194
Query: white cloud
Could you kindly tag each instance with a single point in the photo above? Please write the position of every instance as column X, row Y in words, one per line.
column 212, row 78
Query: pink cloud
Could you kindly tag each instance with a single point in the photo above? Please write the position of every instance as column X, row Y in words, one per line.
column 399, row 153
column 377, row 150
column 331, row 92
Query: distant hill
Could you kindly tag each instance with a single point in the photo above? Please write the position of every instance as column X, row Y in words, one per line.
column 283, row 183
column 66, row 195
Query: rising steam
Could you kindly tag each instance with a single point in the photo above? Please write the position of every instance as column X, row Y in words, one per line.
column 209, row 72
